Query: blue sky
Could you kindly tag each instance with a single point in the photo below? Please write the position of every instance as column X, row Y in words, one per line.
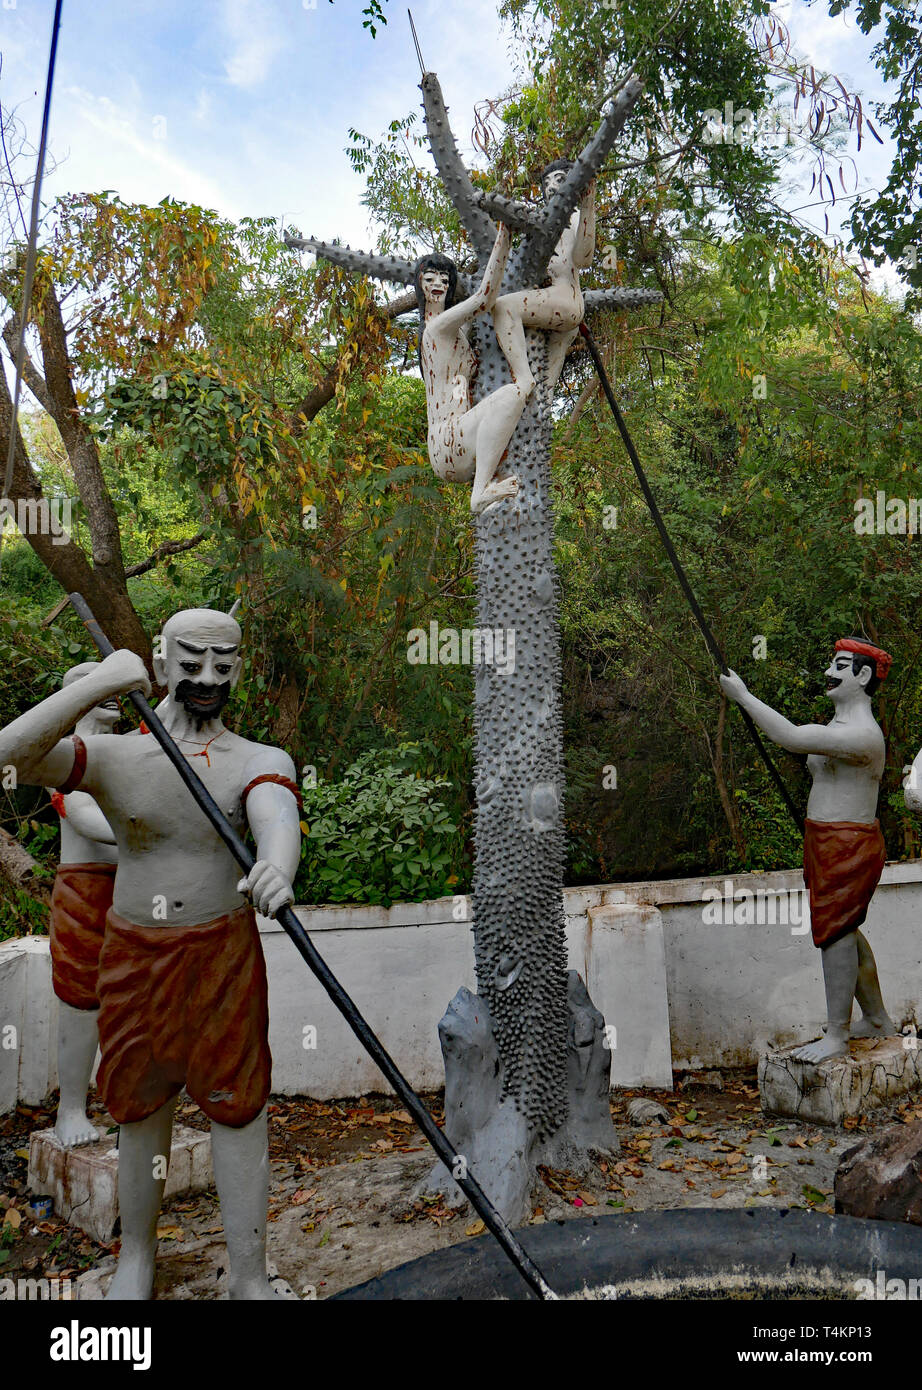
column 241, row 105
column 245, row 105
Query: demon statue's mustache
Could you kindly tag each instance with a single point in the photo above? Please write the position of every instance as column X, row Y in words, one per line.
column 203, row 702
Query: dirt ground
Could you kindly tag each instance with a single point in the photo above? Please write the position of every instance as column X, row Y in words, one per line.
column 343, row 1176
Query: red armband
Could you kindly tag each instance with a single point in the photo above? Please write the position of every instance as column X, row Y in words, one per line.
column 79, row 767
column 279, row 780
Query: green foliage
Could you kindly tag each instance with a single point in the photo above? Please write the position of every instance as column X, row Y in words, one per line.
column 888, row 223
column 379, row 835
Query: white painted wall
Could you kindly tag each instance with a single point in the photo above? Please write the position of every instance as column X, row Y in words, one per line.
column 678, row 991
column 28, row 1070
column 734, row 987
column 403, row 965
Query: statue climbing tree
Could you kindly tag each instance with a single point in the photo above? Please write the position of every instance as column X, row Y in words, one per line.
column 526, row 1065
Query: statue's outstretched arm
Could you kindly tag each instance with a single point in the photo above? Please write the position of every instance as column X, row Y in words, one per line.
column 848, row 744
column 584, row 247
column 485, row 296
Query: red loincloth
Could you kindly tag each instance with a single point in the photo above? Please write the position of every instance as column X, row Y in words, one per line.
column 184, row 1006
column 843, row 862
column 80, row 899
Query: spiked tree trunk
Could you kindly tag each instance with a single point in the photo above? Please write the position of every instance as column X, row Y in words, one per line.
column 519, row 944
column 526, row 1067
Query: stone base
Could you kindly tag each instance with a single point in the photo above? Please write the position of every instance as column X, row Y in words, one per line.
column 84, row 1181
column 498, row 1146
column 875, row 1073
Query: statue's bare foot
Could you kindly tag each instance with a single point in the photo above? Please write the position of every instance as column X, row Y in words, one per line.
column 496, row 491
column 867, row 1027
column 833, row 1045
column 72, row 1128
column 133, row 1279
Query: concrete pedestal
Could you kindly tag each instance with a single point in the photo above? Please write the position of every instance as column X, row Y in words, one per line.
column 84, row 1181
column 874, row 1074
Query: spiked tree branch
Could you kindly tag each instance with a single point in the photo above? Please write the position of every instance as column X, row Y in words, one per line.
column 476, row 222
column 392, row 268
column 522, row 217
column 620, row 298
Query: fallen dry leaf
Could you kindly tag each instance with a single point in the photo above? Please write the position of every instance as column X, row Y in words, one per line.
column 477, row 1229
column 170, row 1232
column 12, row 1217
column 718, row 1191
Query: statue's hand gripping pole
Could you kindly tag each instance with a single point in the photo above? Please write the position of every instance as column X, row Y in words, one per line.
column 454, row 1162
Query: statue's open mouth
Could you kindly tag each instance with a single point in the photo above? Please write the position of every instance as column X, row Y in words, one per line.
column 112, row 704
column 832, row 682
column 203, row 701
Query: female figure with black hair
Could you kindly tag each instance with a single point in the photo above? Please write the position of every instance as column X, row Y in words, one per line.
column 465, row 441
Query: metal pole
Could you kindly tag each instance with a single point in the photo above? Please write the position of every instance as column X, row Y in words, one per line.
column 454, row 1162
column 682, row 577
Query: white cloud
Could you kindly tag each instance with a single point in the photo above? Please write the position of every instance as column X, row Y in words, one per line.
column 255, row 42
column 136, row 161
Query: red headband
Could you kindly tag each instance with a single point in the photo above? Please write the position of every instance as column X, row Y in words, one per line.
column 882, row 660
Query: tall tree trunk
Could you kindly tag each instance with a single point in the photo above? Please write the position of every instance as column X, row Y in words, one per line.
column 520, row 949
column 104, row 591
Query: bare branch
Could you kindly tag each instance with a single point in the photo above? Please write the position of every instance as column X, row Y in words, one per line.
column 585, row 396
column 30, row 373
column 164, row 549
column 479, row 226
column 321, row 394
column 534, row 255
column 401, row 305
column 78, row 441
column 362, row 262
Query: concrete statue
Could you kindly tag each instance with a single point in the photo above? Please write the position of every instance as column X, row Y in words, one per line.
column 557, row 307
column 80, row 899
column 182, row 982
column 844, row 852
column 465, row 441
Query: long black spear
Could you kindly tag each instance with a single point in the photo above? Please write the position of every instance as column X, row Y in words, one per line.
column 700, row 619
column 244, row 857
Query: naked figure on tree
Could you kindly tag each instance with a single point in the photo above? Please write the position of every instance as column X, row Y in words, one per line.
column 557, row 307
column 465, row 441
